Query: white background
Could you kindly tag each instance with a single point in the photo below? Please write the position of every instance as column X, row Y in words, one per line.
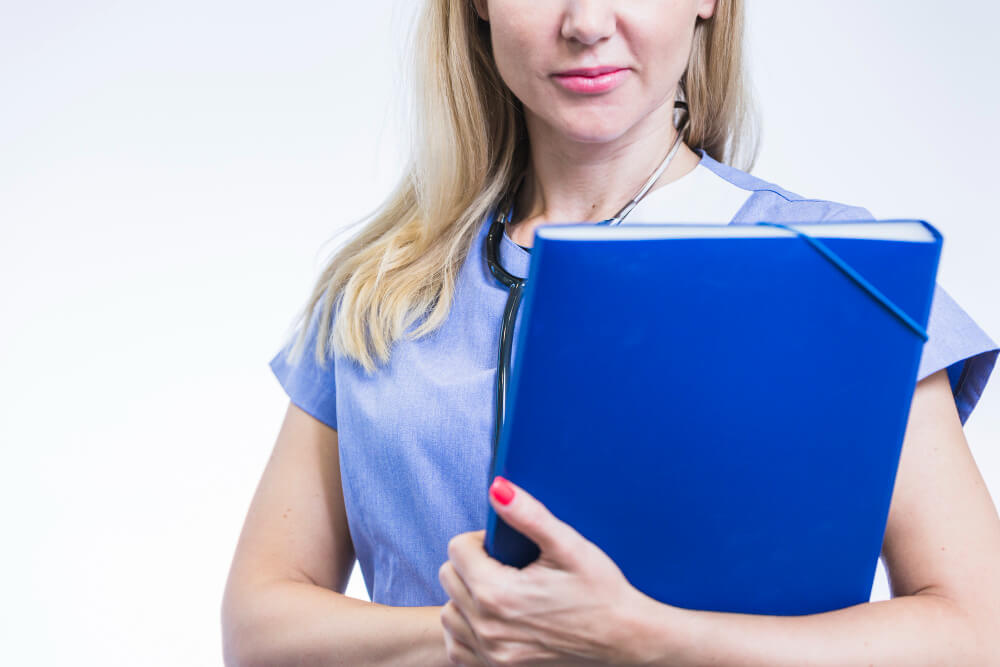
column 169, row 175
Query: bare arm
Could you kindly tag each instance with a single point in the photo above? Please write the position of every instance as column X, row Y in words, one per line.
column 941, row 549
column 284, row 602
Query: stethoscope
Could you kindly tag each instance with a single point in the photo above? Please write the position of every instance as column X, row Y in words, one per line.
column 515, row 285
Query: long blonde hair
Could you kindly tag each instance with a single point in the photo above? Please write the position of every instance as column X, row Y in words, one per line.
column 469, row 147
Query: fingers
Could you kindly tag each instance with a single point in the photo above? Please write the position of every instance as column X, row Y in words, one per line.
column 556, row 539
column 460, row 654
column 470, row 560
column 458, row 636
column 455, row 587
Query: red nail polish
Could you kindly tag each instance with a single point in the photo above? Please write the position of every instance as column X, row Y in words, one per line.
column 502, row 490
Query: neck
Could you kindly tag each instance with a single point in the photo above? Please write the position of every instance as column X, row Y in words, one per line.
column 586, row 182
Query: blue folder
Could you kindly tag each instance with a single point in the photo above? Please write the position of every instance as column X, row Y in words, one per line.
column 720, row 408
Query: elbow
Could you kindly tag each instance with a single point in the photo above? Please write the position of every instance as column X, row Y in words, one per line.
column 234, row 653
column 976, row 630
column 986, row 637
column 238, row 633
column 983, row 622
column 232, row 641
column 231, row 654
column 986, row 629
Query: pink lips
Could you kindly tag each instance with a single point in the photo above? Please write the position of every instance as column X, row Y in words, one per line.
column 591, row 80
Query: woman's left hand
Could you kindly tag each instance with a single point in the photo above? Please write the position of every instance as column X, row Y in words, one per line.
column 571, row 606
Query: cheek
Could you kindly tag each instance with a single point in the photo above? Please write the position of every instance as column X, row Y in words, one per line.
column 663, row 48
column 521, row 38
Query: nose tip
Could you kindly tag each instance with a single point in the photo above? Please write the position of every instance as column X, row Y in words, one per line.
column 588, row 22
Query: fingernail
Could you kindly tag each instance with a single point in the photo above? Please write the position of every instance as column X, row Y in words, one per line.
column 502, row 490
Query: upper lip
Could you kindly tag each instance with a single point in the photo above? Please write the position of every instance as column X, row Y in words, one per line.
column 590, row 71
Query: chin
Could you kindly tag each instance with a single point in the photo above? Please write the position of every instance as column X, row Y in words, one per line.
column 593, row 129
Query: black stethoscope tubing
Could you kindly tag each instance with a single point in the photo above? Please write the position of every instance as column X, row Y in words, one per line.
column 515, row 286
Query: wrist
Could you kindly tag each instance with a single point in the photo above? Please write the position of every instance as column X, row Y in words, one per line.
column 434, row 645
column 654, row 633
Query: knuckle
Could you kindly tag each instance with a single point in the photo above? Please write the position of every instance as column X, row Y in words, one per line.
column 494, row 602
column 565, row 554
column 534, row 521
column 490, row 636
column 506, row 655
column 453, row 547
column 451, row 650
column 487, row 601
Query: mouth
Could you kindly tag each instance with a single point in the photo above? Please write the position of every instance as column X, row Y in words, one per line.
column 592, row 80
column 590, row 71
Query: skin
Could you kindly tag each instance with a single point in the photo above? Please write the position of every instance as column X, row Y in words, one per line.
column 573, row 605
column 591, row 153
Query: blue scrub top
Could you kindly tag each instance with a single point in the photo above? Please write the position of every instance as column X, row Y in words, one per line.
column 415, row 437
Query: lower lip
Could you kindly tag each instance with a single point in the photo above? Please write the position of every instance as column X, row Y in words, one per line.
column 592, row 84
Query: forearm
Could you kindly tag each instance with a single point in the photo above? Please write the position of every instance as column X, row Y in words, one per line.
column 909, row 630
column 294, row 623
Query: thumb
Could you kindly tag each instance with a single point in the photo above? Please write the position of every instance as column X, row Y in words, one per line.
column 557, row 540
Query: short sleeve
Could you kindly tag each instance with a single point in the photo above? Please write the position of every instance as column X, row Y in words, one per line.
column 955, row 341
column 309, row 386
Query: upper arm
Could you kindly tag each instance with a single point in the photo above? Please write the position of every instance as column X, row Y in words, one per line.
column 942, row 536
column 296, row 526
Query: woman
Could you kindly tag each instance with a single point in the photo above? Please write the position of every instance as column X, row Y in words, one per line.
column 384, row 457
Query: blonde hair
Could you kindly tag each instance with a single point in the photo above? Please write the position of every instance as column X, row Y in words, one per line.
column 469, row 147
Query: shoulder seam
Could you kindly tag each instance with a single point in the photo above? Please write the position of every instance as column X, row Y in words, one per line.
column 765, row 186
column 800, row 199
column 757, row 187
